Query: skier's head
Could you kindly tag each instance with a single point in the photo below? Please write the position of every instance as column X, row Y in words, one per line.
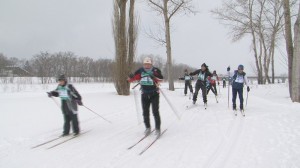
column 147, row 63
column 214, row 72
column 204, row 67
column 62, row 80
column 241, row 67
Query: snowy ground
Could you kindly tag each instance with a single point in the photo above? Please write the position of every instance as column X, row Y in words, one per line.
column 268, row 137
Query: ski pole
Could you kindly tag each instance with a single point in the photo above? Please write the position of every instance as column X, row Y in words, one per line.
column 228, row 70
column 97, row 114
column 135, row 86
column 170, row 104
column 247, row 99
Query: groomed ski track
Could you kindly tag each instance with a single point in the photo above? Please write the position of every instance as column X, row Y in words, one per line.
column 212, row 138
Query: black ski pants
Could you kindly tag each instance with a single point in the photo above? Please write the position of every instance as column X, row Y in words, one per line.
column 147, row 99
column 234, row 95
column 188, row 85
column 69, row 117
column 200, row 85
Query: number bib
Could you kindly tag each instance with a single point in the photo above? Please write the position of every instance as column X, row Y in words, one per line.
column 187, row 78
column 146, row 80
column 201, row 76
column 214, row 78
column 63, row 93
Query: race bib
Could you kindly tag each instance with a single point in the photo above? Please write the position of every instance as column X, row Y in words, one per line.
column 187, row 78
column 63, row 93
column 146, row 80
column 214, row 78
column 201, row 76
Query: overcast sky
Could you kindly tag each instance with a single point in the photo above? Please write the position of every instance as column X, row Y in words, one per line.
column 84, row 27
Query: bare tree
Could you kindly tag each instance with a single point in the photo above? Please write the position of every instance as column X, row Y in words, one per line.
column 288, row 40
column 263, row 21
column 169, row 8
column 125, row 44
column 296, row 62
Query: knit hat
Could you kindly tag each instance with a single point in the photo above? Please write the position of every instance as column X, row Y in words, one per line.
column 62, row 77
column 204, row 65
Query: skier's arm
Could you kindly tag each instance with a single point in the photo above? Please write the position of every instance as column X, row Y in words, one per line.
column 195, row 72
column 157, row 75
column 135, row 76
column 74, row 92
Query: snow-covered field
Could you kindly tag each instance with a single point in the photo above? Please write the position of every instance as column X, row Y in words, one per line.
column 268, row 137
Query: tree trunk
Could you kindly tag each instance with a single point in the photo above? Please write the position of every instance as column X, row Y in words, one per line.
column 132, row 37
column 288, row 40
column 296, row 62
column 121, row 84
column 168, row 47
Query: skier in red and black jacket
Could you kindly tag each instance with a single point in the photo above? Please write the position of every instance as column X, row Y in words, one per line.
column 149, row 78
column 202, row 73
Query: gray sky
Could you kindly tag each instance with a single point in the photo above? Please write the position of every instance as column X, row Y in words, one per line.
column 84, row 27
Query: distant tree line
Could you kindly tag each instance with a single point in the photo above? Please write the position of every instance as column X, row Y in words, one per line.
column 47, row 66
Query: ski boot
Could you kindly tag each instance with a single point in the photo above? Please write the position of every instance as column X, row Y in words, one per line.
column 157, row 132
column 147, row 131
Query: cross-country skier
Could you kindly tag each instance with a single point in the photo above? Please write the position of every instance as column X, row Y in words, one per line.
column 238, row 80
column 202, row 75
column 188, row 79
column 213, row 80
column 69, row 99
column 149, row 78
column 224, row 82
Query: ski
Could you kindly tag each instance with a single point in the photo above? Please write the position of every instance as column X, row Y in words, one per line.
column 66, row 140
column 149, row 145
column 144, row 137
column 46, row 142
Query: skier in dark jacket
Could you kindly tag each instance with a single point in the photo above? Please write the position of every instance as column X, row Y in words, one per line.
column 188, row 80
column 238, row 80
column 149, row 78
column 202, row 75
column 69, row 99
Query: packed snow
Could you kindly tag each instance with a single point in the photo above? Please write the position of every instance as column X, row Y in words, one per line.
column 267, row 137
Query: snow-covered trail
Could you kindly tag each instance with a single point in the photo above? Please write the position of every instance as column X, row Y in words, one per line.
column 269, row 135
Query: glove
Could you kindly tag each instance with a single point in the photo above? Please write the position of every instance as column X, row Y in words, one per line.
column 49, row 94
column 248, row 88
column 228, row 68
column 218, row 83
column 79, row 102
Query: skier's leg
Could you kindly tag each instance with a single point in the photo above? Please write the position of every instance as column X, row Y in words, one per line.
column 197, row 88
column 155, row 110
column 240, row 91
column 191, row 87
column 67, row 120
column 75, row 123
column 204, row 93
column 234, row 94
column 146, row 106
column 215, row 88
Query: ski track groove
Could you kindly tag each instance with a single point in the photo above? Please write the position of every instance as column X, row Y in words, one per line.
column 224, row 143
